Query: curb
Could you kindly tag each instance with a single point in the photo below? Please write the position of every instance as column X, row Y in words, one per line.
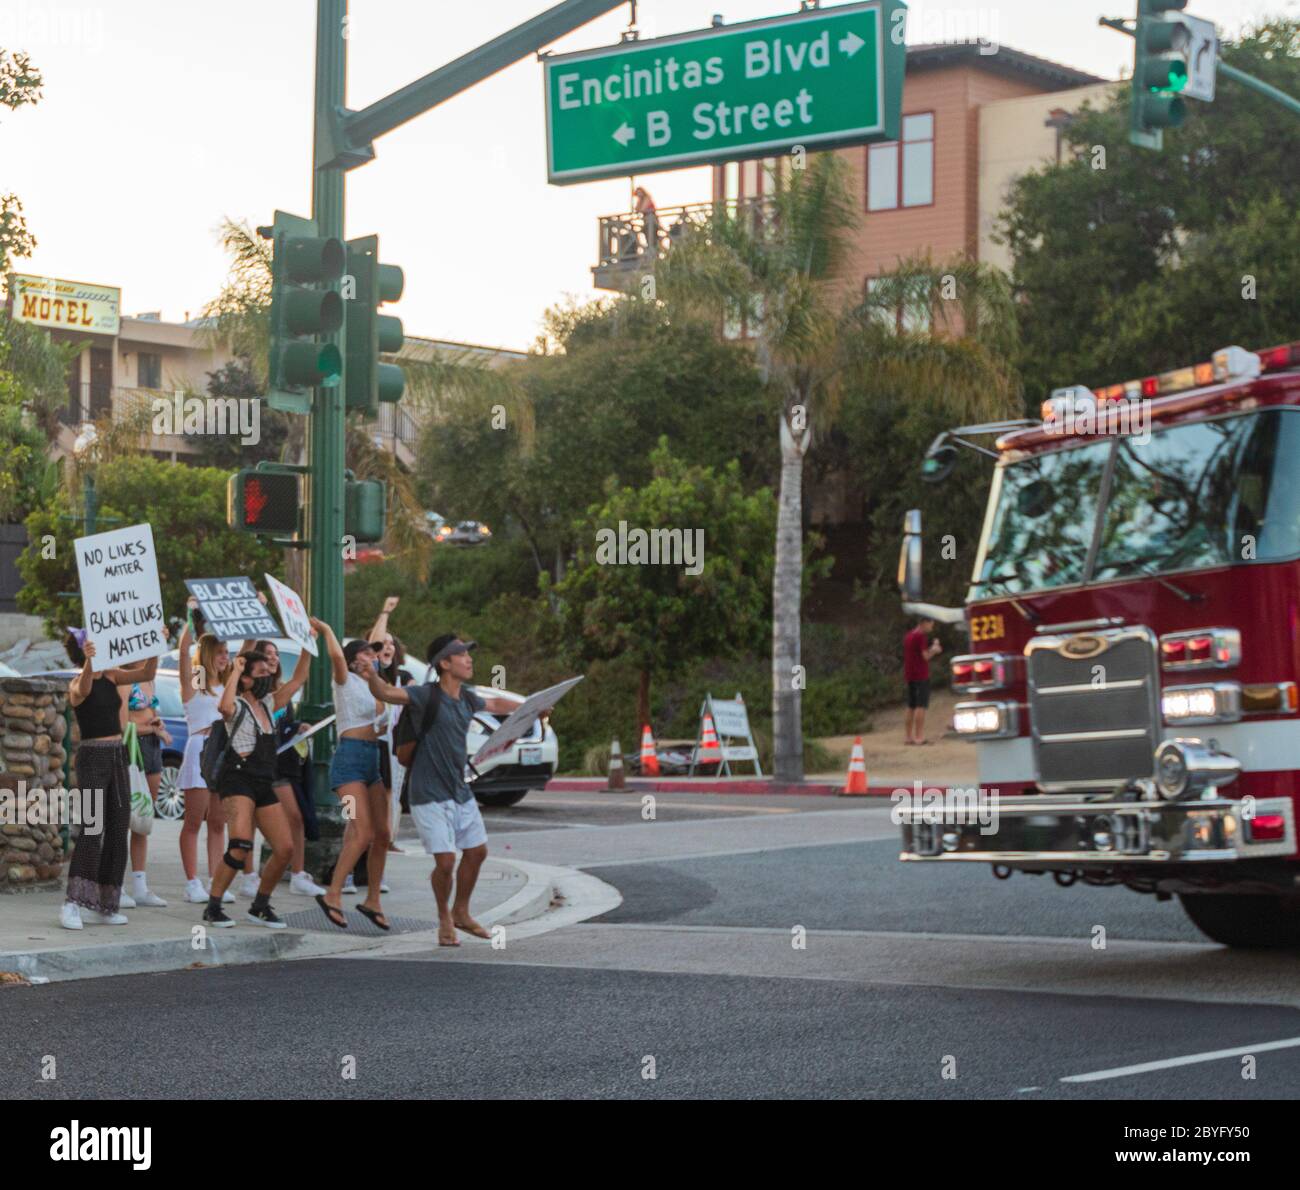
column 236, row 948
column 692, row 785
column 141, row 958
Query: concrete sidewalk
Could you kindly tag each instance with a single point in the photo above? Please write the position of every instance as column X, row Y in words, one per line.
column 34, row 945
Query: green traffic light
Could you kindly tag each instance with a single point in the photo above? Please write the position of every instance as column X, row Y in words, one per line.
column 311, row 365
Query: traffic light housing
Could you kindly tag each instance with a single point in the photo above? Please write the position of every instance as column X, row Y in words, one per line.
column 264, row 502
column 1162, row 42
column 305, row 311
column 369, row 333
column 365, row 510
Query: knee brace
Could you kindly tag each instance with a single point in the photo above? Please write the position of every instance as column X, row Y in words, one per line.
column 241, row 845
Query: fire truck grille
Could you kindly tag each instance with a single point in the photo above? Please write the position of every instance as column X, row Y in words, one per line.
column 1094, row 702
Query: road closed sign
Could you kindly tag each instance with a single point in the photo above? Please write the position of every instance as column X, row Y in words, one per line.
column 815, row 79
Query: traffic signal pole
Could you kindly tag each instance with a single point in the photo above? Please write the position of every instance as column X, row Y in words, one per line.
column 342, row 141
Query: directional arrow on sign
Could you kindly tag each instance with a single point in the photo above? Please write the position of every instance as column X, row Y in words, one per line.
column 624, row 134
column 851, row 43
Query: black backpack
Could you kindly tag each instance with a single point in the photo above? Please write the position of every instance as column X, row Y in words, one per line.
column 215, row 759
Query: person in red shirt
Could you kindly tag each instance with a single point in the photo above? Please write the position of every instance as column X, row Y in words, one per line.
column 917, row 651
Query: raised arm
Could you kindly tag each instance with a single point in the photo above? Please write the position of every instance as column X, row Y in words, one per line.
column 288, row 689
column 183, row 652
column 378, row 632
column 399, row 695
column 79, row 690
column 226, row 706
column 338, row 663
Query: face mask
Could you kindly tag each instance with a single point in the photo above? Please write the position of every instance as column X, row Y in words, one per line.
column 261, row 687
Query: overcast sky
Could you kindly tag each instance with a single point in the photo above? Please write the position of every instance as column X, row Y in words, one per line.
column 162, row 116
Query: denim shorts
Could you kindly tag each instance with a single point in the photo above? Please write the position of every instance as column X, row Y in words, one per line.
column 354, row 760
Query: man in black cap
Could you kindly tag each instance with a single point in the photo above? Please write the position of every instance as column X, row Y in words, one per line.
column 442, row 803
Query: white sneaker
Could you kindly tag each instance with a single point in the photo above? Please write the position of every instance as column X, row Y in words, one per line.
column 248, row 886
column 383, row 886
column 195, row 893
column 349, row 886
column 304, row 885
column 106, row 919
column 69, row 916
column 127, row 901
column 151, row 900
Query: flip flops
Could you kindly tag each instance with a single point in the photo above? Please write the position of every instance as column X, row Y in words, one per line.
column 335, row 916
column 374, row 915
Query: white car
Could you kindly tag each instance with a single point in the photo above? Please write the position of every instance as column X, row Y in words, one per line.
column 527, row 764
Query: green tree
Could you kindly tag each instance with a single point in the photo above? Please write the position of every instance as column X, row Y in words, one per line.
column 620, row 373
column 779, row 269
column 1157, row 259
column 20, row 84
column 615, row 606
column 184, row 505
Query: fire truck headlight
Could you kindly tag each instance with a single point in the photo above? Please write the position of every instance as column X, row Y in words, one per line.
column 1217, row 702
column 1186, row 768
column 985, row 720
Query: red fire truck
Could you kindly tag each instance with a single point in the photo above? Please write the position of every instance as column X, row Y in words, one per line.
column 1134, row 625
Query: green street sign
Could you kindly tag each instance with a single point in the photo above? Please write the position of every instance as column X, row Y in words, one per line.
column 822, row 78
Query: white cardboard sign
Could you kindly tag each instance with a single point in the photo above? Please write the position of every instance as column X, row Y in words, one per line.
column 521, row 719
column 293, row 615
column 120, row 596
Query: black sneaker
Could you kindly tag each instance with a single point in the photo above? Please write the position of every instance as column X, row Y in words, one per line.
column 217, row 918
column 265, row 916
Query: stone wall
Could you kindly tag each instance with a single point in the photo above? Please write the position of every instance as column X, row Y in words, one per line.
column 32, row 754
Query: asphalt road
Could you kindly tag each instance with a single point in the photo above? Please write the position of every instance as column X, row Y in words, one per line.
column 763, row 948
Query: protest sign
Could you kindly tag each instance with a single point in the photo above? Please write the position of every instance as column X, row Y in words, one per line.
column 120, row 596
column 521, row 719
column 293, row 615
column 231, row 609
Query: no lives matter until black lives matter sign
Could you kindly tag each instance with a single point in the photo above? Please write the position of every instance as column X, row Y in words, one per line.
column 120, row 595
column 231, row 609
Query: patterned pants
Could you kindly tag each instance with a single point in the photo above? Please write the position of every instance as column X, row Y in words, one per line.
column 99, row 860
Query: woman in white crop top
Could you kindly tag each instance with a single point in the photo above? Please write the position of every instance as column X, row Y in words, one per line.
column 355, row 777
column 201, row 686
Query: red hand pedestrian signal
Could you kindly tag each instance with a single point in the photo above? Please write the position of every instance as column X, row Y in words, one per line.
column 255, row 499
column 264, row 502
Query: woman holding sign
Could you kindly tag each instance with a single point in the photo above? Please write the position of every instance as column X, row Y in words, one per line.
column 246, row 781
column 99, row 860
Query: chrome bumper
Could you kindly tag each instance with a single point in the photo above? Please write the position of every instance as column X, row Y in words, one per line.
column 1047, row 830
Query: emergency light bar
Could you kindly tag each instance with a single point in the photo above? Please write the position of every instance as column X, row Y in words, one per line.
column 1230, row 363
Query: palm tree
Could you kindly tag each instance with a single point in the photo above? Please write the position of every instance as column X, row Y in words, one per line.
column 778, row 269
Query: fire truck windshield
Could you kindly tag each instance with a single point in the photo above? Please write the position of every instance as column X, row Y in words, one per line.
column 1188, row 497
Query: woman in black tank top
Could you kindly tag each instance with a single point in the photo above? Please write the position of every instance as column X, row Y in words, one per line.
column 99, row 859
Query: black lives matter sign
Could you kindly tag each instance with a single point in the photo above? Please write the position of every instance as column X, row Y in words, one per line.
column 231, row 609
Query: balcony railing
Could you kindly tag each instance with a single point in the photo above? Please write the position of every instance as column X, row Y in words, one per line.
column 396, row 420
column 639, row 237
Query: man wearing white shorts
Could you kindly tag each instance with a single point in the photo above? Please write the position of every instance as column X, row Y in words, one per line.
column 442, row 803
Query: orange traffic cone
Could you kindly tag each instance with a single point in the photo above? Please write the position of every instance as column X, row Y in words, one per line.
column 649, row 757
column 856, row 781
column 710, row 751
column 616, row 780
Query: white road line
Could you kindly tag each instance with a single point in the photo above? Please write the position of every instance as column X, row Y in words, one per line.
column 1190, row 1060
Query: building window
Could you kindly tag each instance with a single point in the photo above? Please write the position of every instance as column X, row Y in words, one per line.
column 148, row 370
column 901, row 174
column 911, row 313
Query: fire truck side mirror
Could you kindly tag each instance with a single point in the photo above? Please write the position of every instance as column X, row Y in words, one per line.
column 939, row 462
column 909, row 557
